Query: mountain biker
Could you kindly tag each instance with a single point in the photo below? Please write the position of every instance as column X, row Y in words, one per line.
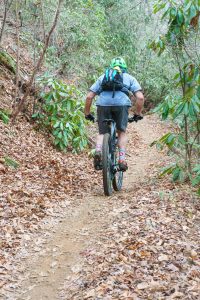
column 116, row 107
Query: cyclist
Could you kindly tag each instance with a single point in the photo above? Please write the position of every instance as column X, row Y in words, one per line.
column 116, row 107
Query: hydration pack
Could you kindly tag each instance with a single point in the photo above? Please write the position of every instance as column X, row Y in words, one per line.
column 113, row 81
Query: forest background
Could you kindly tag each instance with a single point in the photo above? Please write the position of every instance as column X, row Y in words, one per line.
column 159, row 40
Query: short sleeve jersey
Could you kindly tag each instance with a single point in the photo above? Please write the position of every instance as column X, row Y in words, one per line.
column 105, row 98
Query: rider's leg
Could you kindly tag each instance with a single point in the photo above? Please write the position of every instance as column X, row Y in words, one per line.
column 102, row 114
column 122, row 141
column 98, row 152
column 121, row 118
column 99, row 143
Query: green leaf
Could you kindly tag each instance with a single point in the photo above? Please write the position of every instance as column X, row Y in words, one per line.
column 173, row 12
column 35, row 115
column 60, row 135
column 178, row 110
column 181, row 139
column 196, row 103
column 11, row 162
column 57, row 124
column 157, row 7
column 176, row 76
column 196, row 180
column 180, row 17
column 63, row 94
column 176, row 173
column 198, row 91
column 69, row 105
column 192, row 12
column 191, row 109
column 188, row 6
column 56, row 142
column 167, row 170
column 61, row 126
column 170, row 140
column 166, row 10
column 48, row 97
column 165, row 111
column 4, row 117
column 165, row 137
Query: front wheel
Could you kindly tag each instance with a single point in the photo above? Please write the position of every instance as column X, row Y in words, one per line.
column 107, row 165
column 117, row 181
column 118, row 177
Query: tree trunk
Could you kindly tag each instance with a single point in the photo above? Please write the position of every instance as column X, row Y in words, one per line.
column 18, row 53
column 38, row 65
column 3, row 24
column 7, row 6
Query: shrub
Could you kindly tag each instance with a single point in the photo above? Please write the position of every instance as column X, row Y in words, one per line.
column 62, row 113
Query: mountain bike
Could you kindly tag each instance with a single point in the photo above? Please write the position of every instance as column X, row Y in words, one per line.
column 112, row 175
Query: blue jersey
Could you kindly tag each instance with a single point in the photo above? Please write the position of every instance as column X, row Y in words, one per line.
column 105, row 98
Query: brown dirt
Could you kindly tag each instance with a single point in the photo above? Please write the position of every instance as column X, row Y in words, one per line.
column 58, row 255
column 57, row 252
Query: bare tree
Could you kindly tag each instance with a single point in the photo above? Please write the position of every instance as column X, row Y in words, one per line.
column 38, row 65
column 18, row 25
column 42, row 20
column 7, row 5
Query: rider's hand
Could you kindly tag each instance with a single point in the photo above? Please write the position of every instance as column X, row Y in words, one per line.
column 135, row 118
column 90, row 117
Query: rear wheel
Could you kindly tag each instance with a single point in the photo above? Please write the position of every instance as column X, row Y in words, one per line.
column 107, row 165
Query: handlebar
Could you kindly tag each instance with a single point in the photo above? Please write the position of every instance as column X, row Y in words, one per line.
column 135, row 118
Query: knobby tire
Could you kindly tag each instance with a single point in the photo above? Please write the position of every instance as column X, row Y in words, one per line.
column 118, row 178
column 106, row 164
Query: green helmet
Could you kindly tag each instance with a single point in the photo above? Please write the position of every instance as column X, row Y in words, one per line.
column 118, row 62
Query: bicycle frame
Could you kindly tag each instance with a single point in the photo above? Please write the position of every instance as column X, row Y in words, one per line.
column 112, row 174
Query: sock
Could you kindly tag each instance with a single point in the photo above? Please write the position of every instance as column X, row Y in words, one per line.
column 121, row 154
column 98, row 147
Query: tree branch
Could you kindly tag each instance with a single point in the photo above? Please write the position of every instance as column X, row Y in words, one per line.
column 38, row 65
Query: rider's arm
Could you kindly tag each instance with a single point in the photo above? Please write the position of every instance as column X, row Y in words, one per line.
column 139, row 102
column 88, row 103
column 137, row 96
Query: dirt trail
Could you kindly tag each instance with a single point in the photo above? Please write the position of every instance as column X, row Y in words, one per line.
column 60, row 255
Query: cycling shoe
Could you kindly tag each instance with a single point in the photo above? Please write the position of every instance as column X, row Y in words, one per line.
column 97, row 161
column 123, row 165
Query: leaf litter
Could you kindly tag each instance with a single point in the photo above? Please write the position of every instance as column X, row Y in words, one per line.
column 150, row 249
column 135, row 261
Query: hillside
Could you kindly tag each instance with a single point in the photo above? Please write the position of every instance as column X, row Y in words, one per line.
column 36, row 178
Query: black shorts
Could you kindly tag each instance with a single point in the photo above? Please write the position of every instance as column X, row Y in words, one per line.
column 118, row 113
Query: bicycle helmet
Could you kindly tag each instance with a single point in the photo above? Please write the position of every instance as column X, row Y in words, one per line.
column 118, row 62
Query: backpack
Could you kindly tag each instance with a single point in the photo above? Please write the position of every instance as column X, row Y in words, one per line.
column 113, row 81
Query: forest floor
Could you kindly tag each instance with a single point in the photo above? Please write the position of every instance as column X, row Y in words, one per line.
column 63, row 239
